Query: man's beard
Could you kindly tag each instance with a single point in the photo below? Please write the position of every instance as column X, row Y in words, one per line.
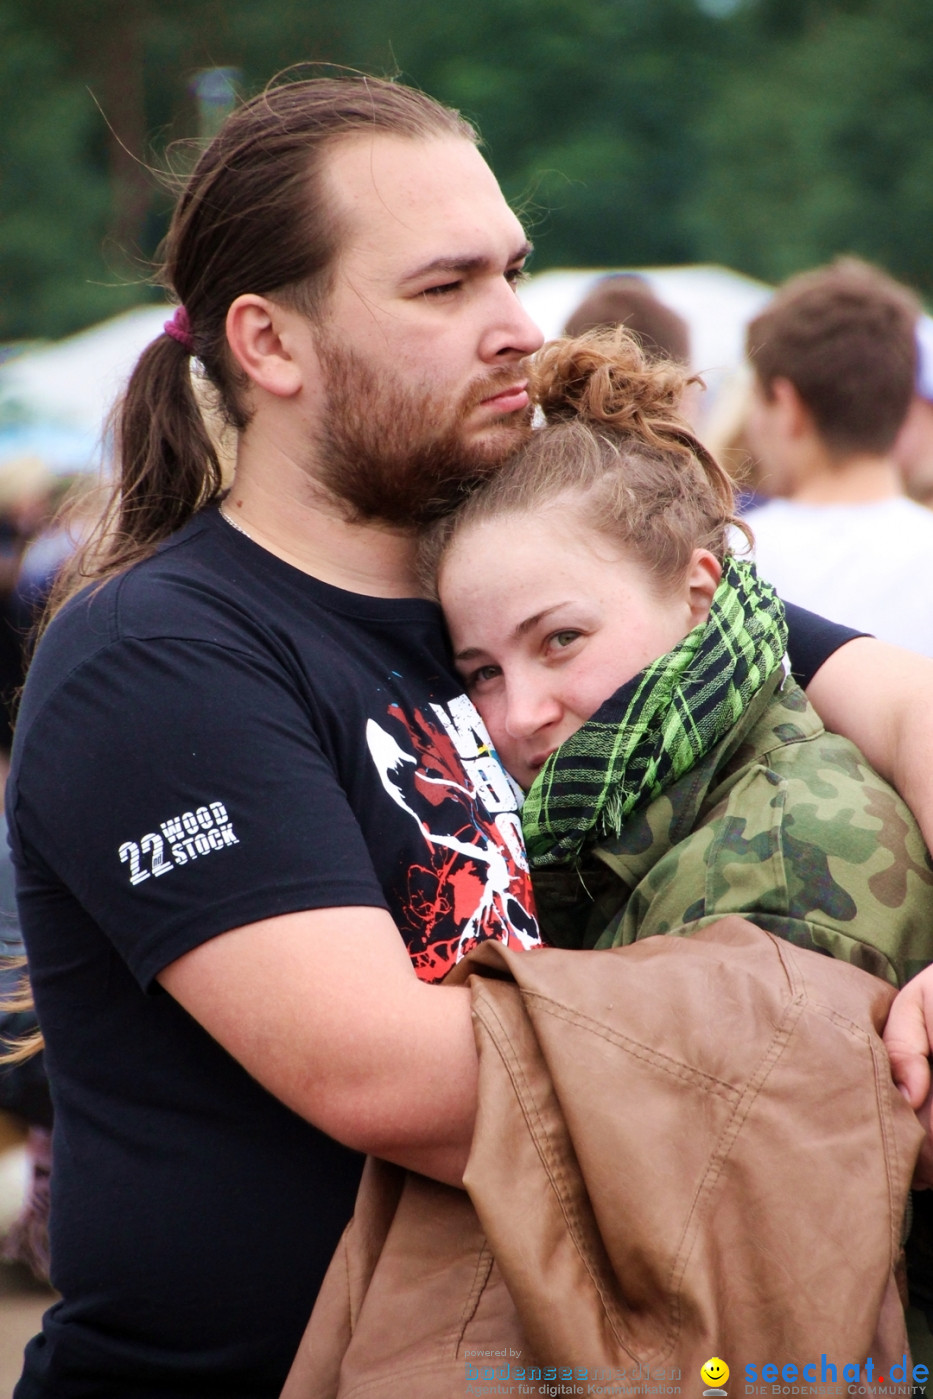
column 401, row 455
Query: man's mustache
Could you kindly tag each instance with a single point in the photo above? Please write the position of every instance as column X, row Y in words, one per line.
column 493, row 383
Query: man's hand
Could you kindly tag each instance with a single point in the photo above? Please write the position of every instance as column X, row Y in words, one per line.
column 907, row 1038
column 923, row 1172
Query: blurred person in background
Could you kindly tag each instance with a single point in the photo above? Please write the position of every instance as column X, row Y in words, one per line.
column 25, row 1101
column 913, row 450
column 36, row 541
column 626, row 298
column 835, row 360
column 28, row 496
column 725, row 434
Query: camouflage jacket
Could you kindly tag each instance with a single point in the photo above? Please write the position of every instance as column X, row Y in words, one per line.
column 782, row 823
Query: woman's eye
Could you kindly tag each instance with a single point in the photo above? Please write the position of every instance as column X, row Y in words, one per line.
column 482, row 676
column 560, row 639
column 443, row 290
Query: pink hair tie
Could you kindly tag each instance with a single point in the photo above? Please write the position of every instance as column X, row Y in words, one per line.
column 179, row 328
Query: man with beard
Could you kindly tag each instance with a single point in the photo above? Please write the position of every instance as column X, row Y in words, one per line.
column 243, row 765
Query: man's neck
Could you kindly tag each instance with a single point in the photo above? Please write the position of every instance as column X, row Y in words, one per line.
column 854, row 480
column 284, row 512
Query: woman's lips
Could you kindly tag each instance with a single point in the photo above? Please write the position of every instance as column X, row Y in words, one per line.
column 537, row 761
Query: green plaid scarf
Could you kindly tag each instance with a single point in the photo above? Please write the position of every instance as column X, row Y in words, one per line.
column 659, row 724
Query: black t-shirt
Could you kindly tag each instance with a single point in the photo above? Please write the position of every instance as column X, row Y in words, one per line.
column 210, row 740
column 213, row 739
column 812, row 640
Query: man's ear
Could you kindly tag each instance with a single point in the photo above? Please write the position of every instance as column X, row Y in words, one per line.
column 260, row 334
column 703, row 574
column 796, row 418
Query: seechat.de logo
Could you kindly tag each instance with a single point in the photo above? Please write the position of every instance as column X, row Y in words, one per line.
column 714, row 1373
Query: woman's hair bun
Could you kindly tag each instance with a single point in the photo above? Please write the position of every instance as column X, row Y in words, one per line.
column 604, row 377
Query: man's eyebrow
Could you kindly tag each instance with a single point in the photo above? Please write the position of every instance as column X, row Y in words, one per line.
column 470, row 653
column 465, row 264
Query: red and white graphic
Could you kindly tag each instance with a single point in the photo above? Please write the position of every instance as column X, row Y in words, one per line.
column 439, row 767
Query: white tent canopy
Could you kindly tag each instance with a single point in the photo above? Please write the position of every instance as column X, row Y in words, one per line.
column 54, row 399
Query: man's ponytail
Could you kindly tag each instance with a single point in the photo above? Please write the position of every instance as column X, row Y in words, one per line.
column 169, row 467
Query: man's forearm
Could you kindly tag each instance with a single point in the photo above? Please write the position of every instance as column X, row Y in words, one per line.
column 323, row 1008
column 412, row 1099
column 879, row 696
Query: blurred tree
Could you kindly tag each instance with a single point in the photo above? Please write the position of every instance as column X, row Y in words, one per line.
column 587, row 110
column 586, row 107
column 766, row 134
column 54, row 195
column 103, row 87
column 822, row 142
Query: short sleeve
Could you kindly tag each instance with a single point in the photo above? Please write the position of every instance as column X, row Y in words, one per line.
column 179, row 788
column 812, row 640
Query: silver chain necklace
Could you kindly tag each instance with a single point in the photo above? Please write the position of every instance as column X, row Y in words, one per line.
column 233, row 525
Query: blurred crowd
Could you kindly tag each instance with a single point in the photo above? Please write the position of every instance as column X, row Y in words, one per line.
column 828, row 429
column 42, row 514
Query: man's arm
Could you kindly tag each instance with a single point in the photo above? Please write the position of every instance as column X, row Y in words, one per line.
column 324, row 1009
column 881, row 697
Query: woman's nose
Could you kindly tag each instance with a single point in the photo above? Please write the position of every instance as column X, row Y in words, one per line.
column 530, row 708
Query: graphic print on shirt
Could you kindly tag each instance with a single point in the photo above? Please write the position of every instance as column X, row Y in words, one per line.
column 183, row 839
column 439, row 767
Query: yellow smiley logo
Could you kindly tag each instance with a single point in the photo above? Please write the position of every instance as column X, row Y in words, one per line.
column 715, row 1372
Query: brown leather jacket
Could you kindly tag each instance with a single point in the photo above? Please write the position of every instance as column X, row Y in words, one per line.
column 684, row 1148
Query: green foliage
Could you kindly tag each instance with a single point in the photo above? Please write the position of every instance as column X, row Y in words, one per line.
column 628, row 132
column 581, row 106
column 54, row 197
column 825, row 148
